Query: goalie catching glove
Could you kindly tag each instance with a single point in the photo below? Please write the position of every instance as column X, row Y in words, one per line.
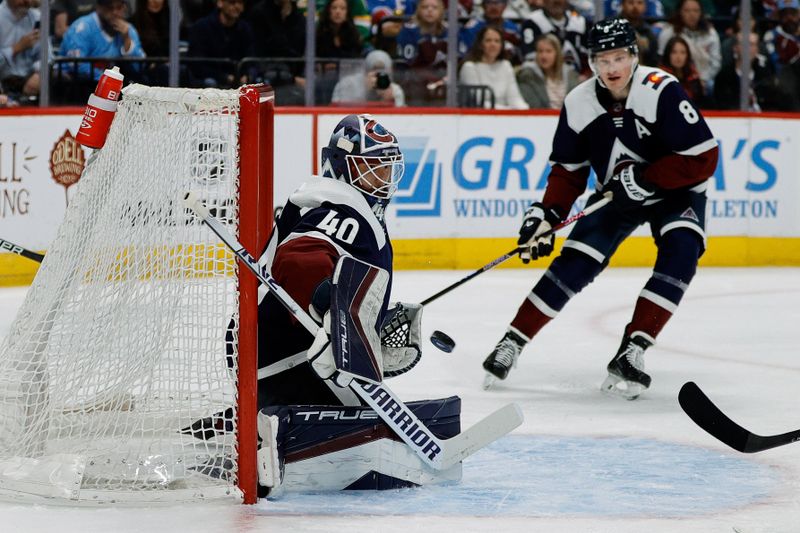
column 400, row 339
column 538, row 219
column 629, row 187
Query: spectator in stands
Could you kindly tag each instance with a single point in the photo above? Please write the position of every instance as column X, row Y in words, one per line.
column 568, row 25
column 104, row 33
column 730, row 37
column 357, row 11
column 220, row 35
column 422, row 43
column 194, row 10
column 386, row 26
column 765, row 93
column 672, row 7
column 65, row 12
column 544, row 83
column 634, row 12
column 484, row 65
column 19, row 48
column 281, row 29
column 337, row 35
column 372, row 85
column 423, row 39
column 521, row 9
column 678, row 61
column 281, row 34
column 783, row 42
column 151, row 20
column 466, row 8
column 653, row 9
column 783, row 46
column 493, row 16
column 689, row 22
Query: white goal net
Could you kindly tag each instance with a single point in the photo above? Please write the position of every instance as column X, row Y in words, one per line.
column 120, row 345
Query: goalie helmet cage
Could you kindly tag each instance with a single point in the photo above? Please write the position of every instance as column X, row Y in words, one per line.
column 139, row 322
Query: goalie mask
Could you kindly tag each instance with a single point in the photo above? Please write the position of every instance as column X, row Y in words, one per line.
column 366, row 155
column 611, row 34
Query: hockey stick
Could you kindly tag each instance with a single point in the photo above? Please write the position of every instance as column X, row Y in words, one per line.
column 503, row 258
column 438, row 453
column 19, row 250
column 708, row 416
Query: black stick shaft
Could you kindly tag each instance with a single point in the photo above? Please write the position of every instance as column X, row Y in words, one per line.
column 19, row 250
column 505, row 257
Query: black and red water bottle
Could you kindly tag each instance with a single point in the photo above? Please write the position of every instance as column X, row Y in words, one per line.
column 100, row 109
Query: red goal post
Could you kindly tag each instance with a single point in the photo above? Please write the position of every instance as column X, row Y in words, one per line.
column 256, row 145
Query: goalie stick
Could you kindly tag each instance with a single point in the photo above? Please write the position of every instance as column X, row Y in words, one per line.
column 438, row 453
column 708, row 416
column 503, row 258
column 19, row 250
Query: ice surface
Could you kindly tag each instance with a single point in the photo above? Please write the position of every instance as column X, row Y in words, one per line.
column 582, row 461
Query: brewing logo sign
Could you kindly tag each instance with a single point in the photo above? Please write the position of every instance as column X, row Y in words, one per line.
column 67, row 160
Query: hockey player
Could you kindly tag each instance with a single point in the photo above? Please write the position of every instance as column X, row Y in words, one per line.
column 316, row 434
column 651, row 148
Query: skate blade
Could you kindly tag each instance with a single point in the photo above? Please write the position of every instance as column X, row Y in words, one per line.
column 616, row 386
column 488, row 381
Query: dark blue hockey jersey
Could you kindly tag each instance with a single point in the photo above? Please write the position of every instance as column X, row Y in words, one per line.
column 657, row 126
column 322, row 221
column 571, row 32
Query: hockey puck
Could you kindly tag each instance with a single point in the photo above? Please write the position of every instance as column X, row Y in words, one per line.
column 442, row 341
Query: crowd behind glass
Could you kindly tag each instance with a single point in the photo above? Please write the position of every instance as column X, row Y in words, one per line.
column 511, row 54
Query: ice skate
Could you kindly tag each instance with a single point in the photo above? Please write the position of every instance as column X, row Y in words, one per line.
column 504, row 356
column 626, row 375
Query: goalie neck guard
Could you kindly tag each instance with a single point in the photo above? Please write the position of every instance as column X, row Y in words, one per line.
column 366, row 155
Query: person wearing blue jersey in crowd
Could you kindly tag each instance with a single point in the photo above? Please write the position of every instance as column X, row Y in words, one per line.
column 650, row 147
column 557, row 17
column 104, row 33
column 493, row 16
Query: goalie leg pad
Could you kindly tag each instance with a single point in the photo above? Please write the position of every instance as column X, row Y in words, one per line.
column 269, row 460
column 349, row 448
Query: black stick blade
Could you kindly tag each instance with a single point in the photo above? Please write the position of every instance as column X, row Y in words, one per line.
column 705, row 414
column 708, row 416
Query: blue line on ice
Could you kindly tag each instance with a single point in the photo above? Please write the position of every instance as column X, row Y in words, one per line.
column 551, row 476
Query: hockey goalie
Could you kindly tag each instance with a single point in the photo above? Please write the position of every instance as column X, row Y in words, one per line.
column 330, row 251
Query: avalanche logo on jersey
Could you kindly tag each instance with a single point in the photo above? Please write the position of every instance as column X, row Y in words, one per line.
column 620, row 157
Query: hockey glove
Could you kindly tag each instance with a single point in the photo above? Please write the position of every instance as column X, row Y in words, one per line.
column 400, row 339
column 320, row 355
column 538, row 219
column 629, row 188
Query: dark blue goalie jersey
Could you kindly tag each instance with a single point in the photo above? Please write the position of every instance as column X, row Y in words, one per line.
column 657, row 126
column 322, row 221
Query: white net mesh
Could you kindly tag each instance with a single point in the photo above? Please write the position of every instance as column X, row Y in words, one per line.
column 120, row 342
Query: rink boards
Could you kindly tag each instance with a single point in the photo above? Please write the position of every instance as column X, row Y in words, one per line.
column 469, row 177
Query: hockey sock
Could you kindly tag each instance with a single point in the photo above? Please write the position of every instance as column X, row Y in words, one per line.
column 675, row 267
column 648, row 318
column 529, row 320
column 568, row 275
